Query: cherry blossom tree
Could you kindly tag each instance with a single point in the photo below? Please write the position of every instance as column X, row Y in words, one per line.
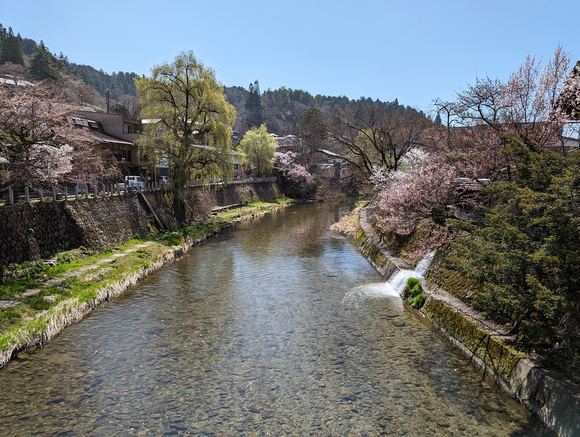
column 38, row 141
column 476, row 139
column 300, row 183
column 524, row 105
column 423, row 190
column 569, row 99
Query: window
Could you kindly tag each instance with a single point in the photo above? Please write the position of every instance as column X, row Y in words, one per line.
column 121, row 155
column 93, row 125
column 78, row 122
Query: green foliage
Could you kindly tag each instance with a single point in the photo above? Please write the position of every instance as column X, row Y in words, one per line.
column 412, row 283
column 313, row 129
column 8, row 316
column 253, row 105
column 413, row 293
column 190, row 108
column 259, row 148
column 417, row 301
column 524, row 262
column 10, row 50
column 26, row 270
column 43, row 65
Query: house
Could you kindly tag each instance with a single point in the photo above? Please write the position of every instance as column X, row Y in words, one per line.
column 112, row 133
column 288, row 143
column 571, row 135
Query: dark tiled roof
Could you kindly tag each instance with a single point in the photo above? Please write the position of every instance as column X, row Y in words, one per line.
column 93, row 130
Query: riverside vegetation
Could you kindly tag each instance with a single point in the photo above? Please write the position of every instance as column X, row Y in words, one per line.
column 36, row 294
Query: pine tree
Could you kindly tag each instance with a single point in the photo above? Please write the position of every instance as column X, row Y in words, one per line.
column 43, row 65
column 10, row 50
column 254, row 106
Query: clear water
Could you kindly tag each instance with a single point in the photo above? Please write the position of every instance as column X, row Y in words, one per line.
column 277, row 327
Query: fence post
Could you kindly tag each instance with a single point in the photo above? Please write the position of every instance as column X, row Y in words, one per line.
column 41, row 196
column 66, row 193
column 54, row 194
column 26, row 195
column 11, row 195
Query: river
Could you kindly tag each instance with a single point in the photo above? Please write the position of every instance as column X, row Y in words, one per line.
column 275, row 327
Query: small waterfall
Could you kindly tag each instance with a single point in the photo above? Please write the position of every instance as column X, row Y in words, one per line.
column 398, row 280
column 391, row 289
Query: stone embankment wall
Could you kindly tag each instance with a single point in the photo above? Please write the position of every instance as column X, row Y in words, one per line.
column 28, row 232
column 552, row 397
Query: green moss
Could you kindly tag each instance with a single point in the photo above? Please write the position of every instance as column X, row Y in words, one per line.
column 369, row 250
column 413, row 284
column 449, row 279
column 499, row 357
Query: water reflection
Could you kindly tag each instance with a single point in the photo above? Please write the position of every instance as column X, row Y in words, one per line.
column 274, row 328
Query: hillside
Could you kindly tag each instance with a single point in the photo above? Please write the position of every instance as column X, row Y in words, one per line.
column 281, row 109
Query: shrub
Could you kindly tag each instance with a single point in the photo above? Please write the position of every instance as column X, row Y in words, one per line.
column 417, row 301
column 413, row 293
column 412, row 284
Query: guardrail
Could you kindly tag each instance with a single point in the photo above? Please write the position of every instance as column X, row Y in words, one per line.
column 82, row 191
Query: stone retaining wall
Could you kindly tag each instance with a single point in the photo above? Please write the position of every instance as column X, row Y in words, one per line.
column 552, row 397
column 29, row 232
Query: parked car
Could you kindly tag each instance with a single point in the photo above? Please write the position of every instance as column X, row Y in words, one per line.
column 463, row 180
column 134, row 183
column 483, row 181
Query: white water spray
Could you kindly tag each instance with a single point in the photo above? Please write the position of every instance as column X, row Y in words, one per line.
column 398, row 280
column 391, row 289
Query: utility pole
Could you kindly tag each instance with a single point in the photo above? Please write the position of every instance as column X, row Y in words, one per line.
column 108, row 98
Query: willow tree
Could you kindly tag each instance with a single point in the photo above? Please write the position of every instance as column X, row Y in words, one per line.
column 190, row 124
column 259, row 148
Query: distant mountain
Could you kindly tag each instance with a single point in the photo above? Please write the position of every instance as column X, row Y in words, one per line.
column 281, row 109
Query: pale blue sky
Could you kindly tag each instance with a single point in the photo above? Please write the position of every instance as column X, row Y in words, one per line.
column 413, row 50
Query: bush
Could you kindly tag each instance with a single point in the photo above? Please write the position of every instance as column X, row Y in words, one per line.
column 412, row 284
column 413, row 293
column 417, row 301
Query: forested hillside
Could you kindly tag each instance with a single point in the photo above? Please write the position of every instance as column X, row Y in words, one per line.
column 281, row 109
column 24, row 58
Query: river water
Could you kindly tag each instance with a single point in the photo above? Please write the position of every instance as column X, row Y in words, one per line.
column 276, row 327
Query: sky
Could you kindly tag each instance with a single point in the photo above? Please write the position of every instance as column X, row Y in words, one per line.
column 411, row 50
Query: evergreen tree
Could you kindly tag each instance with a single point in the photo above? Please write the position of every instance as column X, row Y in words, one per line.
column 525, row 260
column 313, row 129
column 254, row 106
column 27, row 45
column 43, row 65
column 10, row 50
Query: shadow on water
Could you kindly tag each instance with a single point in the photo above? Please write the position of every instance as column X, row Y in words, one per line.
column 276, row 327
